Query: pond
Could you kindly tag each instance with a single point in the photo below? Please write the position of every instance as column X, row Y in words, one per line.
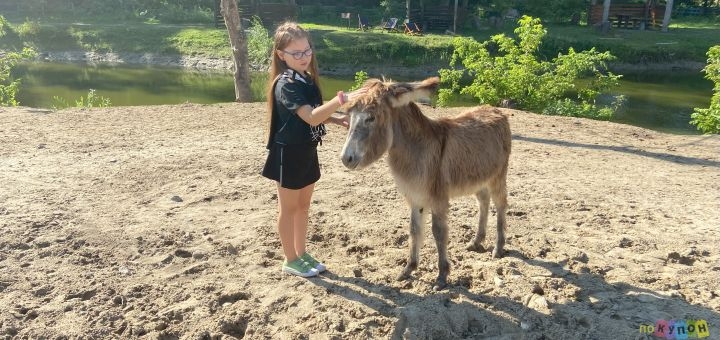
column 660, row 101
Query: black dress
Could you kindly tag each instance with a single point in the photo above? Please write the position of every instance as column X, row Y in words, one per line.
column 292, row 159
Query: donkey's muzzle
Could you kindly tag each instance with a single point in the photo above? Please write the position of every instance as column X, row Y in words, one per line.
column 350, row 161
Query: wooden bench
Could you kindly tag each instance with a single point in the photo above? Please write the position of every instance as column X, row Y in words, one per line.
column 628, row 15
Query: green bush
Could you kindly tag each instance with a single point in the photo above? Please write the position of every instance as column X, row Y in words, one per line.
column 259, row 44
column 177, row 14
column 505, row 70
column 9, row 86
column 92, row 100
column 360, row 78
column 29, row 30
column 708, row 120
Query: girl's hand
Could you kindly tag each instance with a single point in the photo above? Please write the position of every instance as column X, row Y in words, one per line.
column 356, row 94
column 339, row 118
column 344, row 120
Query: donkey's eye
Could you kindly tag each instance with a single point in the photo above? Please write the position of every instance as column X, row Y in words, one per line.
column 370, row 119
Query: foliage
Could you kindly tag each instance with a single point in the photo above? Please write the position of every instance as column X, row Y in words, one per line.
column 4, row 25
column 708, row 120
column 92, row 100
column 177, row 14
column 568, row 107
column 391, row 8
column 503, row 69
column 557, row 11
column 360, row 78
column 29, row 29
column 166, row 11
column 259, row 44
column 9, row 86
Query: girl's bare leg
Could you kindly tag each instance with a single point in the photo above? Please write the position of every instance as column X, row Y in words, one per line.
column 288, row 205
column 301, row 218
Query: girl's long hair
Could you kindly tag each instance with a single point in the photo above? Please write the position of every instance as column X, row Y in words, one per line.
column 284, row 35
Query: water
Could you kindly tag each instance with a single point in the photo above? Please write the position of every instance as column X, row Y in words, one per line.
column 663, row 101
column 655, row 100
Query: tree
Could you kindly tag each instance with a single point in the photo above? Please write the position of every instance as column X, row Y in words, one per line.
column 238, row 44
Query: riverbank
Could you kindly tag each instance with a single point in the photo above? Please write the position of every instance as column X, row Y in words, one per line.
column 226, row 64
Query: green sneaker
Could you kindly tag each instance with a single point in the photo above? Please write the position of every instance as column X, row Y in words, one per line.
column 313, row 263
column 299, row 268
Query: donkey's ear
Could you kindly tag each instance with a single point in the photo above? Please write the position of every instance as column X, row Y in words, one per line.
column 402, row 94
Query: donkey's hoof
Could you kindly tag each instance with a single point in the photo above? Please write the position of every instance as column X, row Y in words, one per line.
column 497, row 253
column 475, row 247
column 440, row 284
column 405, row 274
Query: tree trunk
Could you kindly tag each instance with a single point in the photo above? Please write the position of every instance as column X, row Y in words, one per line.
column 407, row 10
column 606, row 11
column 238, row 44
column 668, row 12
column 605, row 24
column 455, row 17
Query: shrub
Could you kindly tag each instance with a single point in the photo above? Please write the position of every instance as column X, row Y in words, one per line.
column 92, row 100
column 360, row 78
column 9, row 86
column 177, row 14
column 708, row 120
column 505, row 70
column 28, row 30
column 259, row 44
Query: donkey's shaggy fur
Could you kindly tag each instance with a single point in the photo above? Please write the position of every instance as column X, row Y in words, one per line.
column 432, row 160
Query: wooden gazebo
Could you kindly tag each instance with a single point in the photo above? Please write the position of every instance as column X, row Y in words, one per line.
column 626, row 15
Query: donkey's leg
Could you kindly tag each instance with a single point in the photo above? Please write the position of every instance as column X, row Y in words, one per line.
column 440, row 232
column 417, row 221
column 499, row 196
column 483, row 198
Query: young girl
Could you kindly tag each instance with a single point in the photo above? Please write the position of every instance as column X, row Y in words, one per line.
column 296, row 114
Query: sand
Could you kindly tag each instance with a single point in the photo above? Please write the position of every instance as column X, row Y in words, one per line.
column 153, row 222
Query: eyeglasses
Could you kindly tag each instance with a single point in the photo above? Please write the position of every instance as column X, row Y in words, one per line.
column 300, row 55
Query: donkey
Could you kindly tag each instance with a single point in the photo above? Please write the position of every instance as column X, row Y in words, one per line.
column 432, row 160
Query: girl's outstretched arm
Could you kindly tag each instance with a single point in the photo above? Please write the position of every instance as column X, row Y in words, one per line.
column 321, row 113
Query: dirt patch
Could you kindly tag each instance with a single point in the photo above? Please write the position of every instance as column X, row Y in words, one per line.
column 153, row 222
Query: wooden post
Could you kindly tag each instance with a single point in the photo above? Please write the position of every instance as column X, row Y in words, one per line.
column 668, row 14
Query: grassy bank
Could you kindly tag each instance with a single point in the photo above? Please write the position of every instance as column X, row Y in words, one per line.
column 337, row 45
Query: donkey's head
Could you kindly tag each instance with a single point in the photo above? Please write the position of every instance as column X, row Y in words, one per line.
column 372, row 117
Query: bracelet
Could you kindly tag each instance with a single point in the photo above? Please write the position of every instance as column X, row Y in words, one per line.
column 341, row 97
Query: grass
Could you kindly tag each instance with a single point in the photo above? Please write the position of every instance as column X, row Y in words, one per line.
column 338, row 45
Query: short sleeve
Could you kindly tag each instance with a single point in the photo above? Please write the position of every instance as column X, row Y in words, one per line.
column 292, row 96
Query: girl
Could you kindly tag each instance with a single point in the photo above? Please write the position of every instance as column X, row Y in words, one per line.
column 296, row 114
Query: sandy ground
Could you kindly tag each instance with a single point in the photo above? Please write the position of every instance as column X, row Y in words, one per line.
column 152, row 222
